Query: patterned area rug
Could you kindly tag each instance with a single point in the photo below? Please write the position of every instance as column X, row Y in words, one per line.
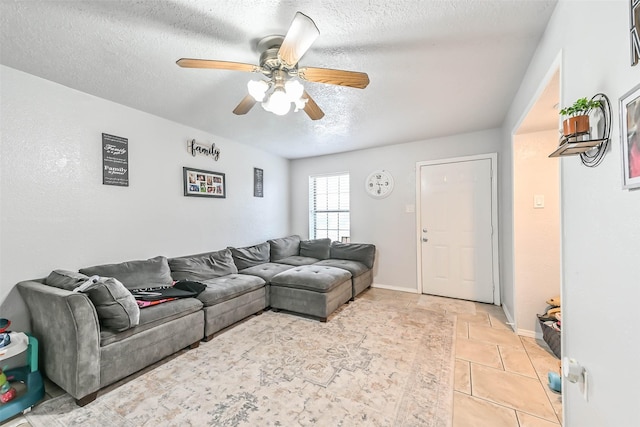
column 371, row 365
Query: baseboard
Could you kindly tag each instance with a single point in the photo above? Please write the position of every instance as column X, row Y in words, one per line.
column 530, row 334
column 510, row 320
column 522, row 332
column 394, row 288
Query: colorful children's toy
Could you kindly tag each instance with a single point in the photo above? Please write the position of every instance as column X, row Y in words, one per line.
column 7, row 392
column 12, row 403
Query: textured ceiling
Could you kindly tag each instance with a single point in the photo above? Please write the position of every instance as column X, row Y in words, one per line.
column 436, row 67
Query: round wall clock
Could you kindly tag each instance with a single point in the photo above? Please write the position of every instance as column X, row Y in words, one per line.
column 379, row 184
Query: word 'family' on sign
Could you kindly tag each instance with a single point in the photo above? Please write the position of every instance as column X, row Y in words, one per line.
column 196, row 148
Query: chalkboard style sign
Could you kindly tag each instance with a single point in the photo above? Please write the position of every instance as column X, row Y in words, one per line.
column 634, row 31
column 258, row 182
column 115, row 160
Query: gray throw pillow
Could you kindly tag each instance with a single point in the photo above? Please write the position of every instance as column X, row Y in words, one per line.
column 150, row 273
column 201, row 267
column 65, row 279
column 284, row 247
column 250, row 256
column 317, row 248
column 116, row 307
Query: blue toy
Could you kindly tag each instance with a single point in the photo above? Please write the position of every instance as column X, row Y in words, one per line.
column 31, row 377
column 555, row 382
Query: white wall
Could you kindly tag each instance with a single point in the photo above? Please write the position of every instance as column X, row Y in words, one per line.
column 384, row 222
column 55, row 212
column 537, row 230
column 600, row 221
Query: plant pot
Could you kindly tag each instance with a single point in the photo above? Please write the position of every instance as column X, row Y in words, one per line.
column 575, row 125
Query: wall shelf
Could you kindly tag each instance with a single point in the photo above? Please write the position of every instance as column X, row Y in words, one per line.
column 591, row 151
column 569, row 148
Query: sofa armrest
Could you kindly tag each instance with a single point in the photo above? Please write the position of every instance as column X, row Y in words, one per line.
column 66, row 324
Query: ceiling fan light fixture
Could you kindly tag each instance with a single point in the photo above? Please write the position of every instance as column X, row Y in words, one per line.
column 258, row 89
column 294, row 90
column 278, row 103
column 300, row 103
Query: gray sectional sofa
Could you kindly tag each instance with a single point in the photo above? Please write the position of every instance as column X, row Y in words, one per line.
column 94, row 338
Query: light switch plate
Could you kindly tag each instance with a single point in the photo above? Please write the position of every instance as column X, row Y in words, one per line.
column 538, row 201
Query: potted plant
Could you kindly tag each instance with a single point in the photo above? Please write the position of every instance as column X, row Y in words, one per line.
column 577, row 121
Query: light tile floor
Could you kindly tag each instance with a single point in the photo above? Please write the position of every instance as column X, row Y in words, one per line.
column 500, row 377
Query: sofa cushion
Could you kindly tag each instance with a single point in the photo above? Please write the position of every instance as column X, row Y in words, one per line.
column 266, row 271
column 356, row 268
column 64, row 279
column 316, row 248
column 224, row 288
column 116, row 307
column 151, row 317
column 311, row 277
column 201, row 267
column 363, row 252
column 250, row 256
column 298, row 260
column 150, row 273
column 284, row 247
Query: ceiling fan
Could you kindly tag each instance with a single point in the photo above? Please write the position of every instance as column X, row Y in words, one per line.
column 279, row 62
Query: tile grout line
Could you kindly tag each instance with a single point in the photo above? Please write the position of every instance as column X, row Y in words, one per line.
column 501, row 359
column 541, row 382
column 515, row 411
column 502, row 405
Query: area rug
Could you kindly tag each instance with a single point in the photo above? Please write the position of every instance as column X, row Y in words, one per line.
column 370, row 364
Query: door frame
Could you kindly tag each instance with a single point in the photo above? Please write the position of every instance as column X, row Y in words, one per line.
column 493, row 157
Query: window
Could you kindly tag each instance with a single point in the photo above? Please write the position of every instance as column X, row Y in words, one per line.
column 329, row 206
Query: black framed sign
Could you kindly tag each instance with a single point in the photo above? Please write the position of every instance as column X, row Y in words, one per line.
column 202, row 183
column 258, row 182
column 634, row 30
column 115, row 160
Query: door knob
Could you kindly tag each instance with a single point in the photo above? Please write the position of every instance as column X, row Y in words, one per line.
column 424, row 230
column 424, row 239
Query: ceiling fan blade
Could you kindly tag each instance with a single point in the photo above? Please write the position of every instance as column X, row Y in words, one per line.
column 334, row 77
column 311, row 108
column 245, row 105
column 300, row 36
column 218, row 65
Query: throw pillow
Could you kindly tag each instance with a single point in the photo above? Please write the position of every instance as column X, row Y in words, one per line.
column 150, row 273
column 250, row 256
column 201, row 267
column 317, row 248
column 115, row 305
column 284, row 247
column 64, row 279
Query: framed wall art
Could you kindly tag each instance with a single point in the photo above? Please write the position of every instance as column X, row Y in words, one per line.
column 115, row 160
column 630, row 137
column 202, row 183
column 258, row 182
column 634, row 30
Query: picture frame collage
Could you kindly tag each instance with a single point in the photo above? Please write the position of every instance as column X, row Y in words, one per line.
column 204, row 183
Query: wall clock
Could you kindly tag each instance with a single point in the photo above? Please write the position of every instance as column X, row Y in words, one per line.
column 379, row 184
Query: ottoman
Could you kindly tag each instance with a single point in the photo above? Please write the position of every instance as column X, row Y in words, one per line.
column 311, row 289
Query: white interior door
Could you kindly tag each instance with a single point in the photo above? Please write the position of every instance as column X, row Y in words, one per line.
column 456, row 229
